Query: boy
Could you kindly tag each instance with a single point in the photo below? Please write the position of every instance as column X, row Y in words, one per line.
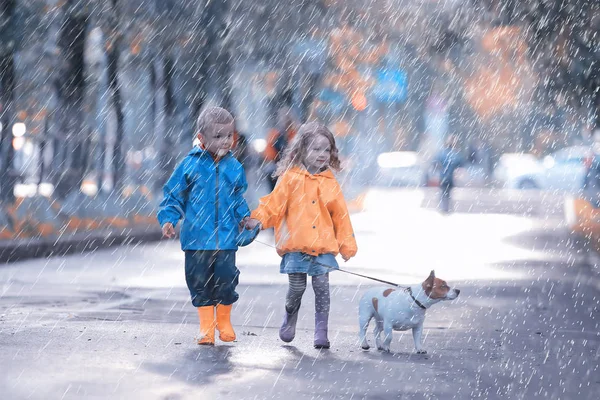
column 206, row 191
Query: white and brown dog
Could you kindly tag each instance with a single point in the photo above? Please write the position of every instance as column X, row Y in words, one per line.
column 401, row 309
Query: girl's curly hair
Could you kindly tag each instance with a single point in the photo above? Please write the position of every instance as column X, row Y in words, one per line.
column 296, row 151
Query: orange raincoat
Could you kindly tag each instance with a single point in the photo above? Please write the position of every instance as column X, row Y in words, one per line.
column 309, row 214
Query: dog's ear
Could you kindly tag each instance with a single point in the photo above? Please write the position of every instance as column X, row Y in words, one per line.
column 429, row 280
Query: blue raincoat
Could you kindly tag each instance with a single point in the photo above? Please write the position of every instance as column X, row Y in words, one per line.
column 208, row 196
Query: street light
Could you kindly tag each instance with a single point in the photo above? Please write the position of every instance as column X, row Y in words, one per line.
column 19, row 129
column 259, row 145
column 18, row 143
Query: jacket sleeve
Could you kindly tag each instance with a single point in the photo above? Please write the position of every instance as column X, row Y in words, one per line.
column 175, row 192
column 344, row 232
column 272, row 208
column 241, row 206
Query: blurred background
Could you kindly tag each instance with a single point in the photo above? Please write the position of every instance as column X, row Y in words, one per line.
column 469, row 132
column 99, row 98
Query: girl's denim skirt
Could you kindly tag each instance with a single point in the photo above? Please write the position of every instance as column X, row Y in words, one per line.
column 304, row 263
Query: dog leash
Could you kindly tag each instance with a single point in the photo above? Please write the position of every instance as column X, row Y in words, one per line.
column 345, row 271
column 407, row 288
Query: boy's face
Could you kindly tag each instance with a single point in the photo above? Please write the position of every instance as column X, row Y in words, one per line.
column 218, row 139
column 318, row 153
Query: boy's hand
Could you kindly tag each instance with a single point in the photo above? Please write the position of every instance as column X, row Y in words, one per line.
column 345, row 258
column 168, row 230
column 251, row 223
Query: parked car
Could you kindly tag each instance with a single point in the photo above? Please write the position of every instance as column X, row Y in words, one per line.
column 471, row 175
column 400, row 168
column 582, row 209
column 517, row 171
column 563, row 170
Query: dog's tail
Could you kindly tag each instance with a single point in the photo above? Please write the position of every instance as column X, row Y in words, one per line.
column 366, row 312
column 367, row 309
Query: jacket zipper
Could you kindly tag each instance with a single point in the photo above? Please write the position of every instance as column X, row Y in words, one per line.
column 217, row 204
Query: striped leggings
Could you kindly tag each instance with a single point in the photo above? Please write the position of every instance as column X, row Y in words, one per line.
column 297, row 286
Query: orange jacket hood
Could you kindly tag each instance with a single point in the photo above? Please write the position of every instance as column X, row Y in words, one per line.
column 309, row 214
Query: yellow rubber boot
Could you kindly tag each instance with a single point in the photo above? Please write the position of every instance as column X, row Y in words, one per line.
column 224, row 327
column 207, row 325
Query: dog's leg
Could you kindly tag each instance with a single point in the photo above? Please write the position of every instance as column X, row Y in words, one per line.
column 377, row 332
column 364, row 317
column 417, row 332
column 387, row 332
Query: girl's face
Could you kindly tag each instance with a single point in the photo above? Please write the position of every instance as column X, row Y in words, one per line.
column 318, row 154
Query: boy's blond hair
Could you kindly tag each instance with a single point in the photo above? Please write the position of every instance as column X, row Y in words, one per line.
column 212, row 116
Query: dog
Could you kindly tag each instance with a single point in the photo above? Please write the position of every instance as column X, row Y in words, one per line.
column 400, row 309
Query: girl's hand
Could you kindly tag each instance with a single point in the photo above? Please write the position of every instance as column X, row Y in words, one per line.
column 345, row 258
column 168, row 231
column 251, row 223
column 242, row 224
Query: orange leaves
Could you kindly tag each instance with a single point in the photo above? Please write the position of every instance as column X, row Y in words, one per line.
column 350, row 51
column 359, row 101
column 504, row 82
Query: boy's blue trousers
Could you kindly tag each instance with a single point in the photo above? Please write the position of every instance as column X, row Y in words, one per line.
column 211, row 277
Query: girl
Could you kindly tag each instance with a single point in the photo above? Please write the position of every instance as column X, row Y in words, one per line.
column 311, row 223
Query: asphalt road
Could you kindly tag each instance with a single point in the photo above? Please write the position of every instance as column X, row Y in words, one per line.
column 117, row 323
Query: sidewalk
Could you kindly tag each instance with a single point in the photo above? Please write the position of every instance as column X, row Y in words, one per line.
column 42, row 227
column 467, row 200
column 64, row 235
column 20, row 249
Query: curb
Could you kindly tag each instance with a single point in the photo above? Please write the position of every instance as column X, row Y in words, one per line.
column 18, row 250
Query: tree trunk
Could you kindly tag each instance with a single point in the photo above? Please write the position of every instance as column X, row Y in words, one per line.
column 95, row 67
column 166, row 157
column 7, row 82
column 71, row 94
column 153, row 109
column 42, row 167
column 113, row 46
column 212, row 55
column 117, row 104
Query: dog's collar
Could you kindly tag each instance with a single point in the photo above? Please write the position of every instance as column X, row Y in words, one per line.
column 409, row 290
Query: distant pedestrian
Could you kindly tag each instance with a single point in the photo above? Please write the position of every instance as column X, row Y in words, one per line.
column 206, row 191
column 312, row 224
column 447, row 161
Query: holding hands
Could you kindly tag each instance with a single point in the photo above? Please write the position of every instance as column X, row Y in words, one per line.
column 250, row 223
column 168, row 230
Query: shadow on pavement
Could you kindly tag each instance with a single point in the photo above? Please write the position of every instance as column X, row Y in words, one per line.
column 547, row 239
column 200, row 366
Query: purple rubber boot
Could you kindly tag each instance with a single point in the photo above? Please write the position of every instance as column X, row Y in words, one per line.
column 321, row 341
column 287, row 332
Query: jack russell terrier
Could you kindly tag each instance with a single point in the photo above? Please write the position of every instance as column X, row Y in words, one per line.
column 401, row 309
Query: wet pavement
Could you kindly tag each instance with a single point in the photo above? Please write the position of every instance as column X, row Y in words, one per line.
column 117, row 323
